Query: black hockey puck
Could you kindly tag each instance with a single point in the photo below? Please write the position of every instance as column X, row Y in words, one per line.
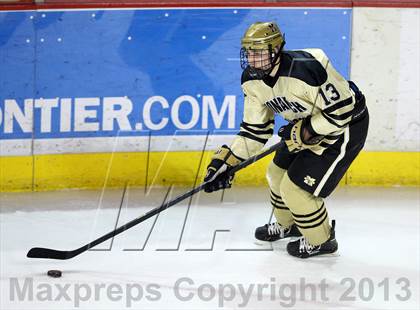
column 54, row 273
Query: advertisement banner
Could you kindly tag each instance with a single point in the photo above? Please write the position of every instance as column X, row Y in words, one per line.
column 68, row 76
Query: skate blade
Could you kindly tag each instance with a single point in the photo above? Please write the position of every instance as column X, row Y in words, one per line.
column 288, row 239
column 327, row 255
column 260, row 242
column 335, row 254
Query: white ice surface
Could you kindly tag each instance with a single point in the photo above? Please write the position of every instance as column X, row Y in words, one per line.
column 377, row 230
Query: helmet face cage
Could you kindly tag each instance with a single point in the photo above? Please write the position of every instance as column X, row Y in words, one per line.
column 261, row 47
column 259, row 61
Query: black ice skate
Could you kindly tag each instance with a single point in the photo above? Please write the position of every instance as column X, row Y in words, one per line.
column 302, row 249
column 274, row 231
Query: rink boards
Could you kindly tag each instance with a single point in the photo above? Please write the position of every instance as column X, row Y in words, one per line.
column 93, row 98
column 47, row 172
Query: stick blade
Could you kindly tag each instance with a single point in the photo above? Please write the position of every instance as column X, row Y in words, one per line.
column 48, row 253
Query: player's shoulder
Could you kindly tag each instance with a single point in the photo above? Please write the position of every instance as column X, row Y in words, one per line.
column 247, row 75
column 316, row 53
column 307, row 65
column 308, row 54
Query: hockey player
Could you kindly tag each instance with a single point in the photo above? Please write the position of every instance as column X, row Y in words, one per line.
column 328, row 124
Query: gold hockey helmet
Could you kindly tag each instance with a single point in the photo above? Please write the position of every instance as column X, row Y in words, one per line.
column 261, row 46
column 262, row 35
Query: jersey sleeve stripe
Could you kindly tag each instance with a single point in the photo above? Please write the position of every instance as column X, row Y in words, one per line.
column 257, row 132
column 339, row 105
column 264, row 125
column 337, row 121
column 341, row 117
column 252, row 137
column 329, row 120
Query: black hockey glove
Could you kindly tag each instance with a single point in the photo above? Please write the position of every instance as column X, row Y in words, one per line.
column 218, row 174
column 292, row 134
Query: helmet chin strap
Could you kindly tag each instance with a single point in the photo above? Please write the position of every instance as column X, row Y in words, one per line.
column 276, row 57
column 274, row 62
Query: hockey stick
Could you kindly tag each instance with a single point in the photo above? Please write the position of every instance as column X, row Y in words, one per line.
column 57, row 254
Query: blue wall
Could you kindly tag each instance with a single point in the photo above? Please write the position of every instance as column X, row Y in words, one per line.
column 140, row 54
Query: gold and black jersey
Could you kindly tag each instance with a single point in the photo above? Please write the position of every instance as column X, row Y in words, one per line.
column 305, row 84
